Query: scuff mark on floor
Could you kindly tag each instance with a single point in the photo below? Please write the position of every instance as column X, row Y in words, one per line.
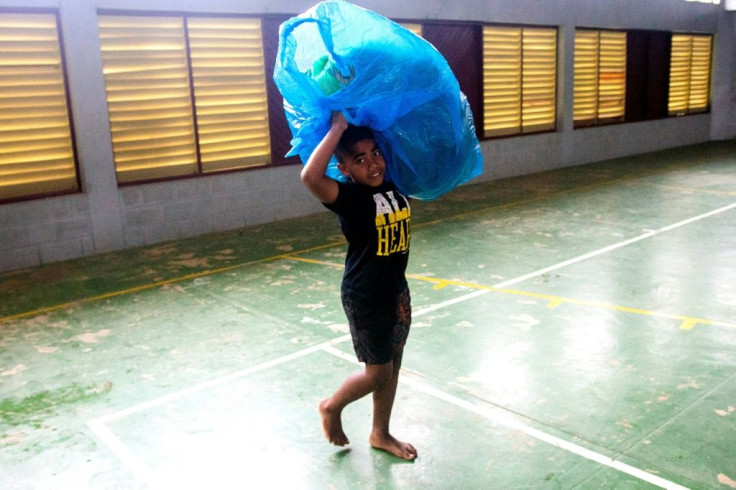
column 691, row 383
column 44, row 349
column 523, row 322
column 15, row 370
column 724, row 480
column 162, row 250
column 281, row 283
column 725, row 413
column 339, row 327
column 312, row 307
column 192, row 262
column 92, row 337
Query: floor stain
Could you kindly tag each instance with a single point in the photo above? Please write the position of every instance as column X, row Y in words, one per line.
column 725, row 413
column 15, row 370
column 44, row 349
column 162, row 250
column 723, row 479
column 33, row 410
column 192, row 262
column 92, row 337
column 691, row 383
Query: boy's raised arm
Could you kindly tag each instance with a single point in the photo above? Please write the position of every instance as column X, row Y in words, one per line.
column 313, row 174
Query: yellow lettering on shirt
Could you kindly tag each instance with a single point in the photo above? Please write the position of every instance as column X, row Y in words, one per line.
column 392, row 224
column 393, row 238
column 383, row 242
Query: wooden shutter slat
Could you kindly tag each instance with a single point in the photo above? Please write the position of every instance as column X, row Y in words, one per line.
column 36, row 148
column 228, row 73
column 148, row 96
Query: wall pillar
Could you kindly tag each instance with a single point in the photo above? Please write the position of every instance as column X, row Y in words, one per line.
column 723, row 109
column 86, row 90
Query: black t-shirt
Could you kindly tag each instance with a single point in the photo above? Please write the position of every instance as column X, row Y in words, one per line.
column 375, row 222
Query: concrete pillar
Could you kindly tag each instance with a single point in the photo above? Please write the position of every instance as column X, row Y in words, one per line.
column 94, row 146
column 723, row 93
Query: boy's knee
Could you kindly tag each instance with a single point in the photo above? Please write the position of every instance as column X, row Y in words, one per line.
column 380, row 374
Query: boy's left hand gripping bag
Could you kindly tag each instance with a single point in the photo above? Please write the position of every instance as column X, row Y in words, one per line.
column 340, row 57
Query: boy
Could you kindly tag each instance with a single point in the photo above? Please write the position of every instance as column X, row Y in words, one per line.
column 374, row 218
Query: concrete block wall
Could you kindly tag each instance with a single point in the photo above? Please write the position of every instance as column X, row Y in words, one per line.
column 59, row 228
column 161, row 211
column 43, row 231
column 106, row 217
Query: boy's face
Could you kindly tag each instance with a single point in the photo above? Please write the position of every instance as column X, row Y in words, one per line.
column 365, row 164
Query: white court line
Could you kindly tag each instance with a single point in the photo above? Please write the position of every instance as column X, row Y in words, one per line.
column 449, row 302
column 215, row 382
column 258, row 367
column 128, row 457
column 137, row 464
column 615, row 246
column 574, row 260
column 508, row 422
column 252, row 369
column 139, row 467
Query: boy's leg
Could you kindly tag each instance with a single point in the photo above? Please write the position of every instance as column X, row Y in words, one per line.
column 383, row 402
column 355, row 386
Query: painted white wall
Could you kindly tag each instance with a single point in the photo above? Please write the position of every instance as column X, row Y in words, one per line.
column 105, row 217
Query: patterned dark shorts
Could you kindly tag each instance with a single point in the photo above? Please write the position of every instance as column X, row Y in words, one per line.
column 378, row 330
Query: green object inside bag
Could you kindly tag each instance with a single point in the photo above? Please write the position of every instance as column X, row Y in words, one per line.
column 324, row 73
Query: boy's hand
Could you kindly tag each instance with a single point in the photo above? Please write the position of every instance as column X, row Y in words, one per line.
column 338, row 121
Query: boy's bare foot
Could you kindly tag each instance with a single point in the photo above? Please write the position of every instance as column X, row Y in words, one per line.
column 332, row 424
column 389, row 443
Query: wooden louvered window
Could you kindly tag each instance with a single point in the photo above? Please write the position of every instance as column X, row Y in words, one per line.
column 148, row 96
column 36, row 147
column 690, row 65
column 185, row 95
column 519, row 80
column 230, row 92
column 600, row 77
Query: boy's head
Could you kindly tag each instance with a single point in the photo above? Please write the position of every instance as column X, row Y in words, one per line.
column 359, row 158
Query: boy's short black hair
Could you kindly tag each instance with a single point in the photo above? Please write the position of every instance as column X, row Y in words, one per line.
column 350, row 137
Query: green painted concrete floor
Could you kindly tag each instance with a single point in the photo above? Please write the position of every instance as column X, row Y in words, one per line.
column 572, row 329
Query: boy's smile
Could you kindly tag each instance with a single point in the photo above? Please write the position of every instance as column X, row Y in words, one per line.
column 365, row 164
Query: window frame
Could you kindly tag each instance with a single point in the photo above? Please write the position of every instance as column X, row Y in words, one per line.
column 521, row 129
column 688, row 111
column 276, row 119
column 279, row 132
column 598, row 120
column 69, row 109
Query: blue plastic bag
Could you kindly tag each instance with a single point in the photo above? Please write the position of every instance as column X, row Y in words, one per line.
column 340, row 57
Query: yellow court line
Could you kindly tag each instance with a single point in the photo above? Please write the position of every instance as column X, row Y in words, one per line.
column 553, row 301
column 693, row 189
column 153, row 285
column 136, row 289
column 315, row 261
column 688, row 322
column 289, row 255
